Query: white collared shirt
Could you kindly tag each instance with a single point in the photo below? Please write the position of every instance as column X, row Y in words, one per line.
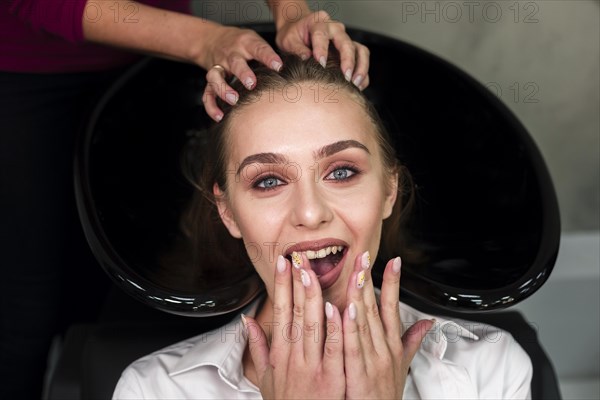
column 457, row 360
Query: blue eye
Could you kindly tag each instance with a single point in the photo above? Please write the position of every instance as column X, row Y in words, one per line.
column 268, row 183
column 341, row 174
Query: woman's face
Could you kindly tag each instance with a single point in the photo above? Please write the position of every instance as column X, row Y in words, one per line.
column 305, row 174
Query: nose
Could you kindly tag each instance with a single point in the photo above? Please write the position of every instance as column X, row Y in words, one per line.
column 311, row 209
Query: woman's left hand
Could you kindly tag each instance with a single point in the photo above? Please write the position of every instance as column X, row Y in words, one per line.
column 377, row 355
column 316, row 30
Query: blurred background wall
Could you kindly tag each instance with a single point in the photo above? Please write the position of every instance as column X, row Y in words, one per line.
column 542, row 59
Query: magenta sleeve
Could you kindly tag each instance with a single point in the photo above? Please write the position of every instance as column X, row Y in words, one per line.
column 58, row 17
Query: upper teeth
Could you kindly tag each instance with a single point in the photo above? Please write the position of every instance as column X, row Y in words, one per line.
column 312, row 254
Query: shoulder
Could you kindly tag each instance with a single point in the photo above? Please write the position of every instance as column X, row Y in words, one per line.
column 484, row 361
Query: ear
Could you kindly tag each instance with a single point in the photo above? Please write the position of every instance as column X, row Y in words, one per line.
column 391, row 195
column 225, row 212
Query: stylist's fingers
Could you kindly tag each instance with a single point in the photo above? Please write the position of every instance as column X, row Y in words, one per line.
column 360, row 76
column 216, row 86
column 320, row 35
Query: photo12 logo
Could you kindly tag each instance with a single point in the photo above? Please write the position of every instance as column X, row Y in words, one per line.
column 469, row 11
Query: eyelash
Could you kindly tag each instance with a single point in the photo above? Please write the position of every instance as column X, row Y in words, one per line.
column 261, row 180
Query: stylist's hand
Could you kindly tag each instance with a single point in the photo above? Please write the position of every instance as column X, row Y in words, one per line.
column 377, row 355
column 232, row 48
column 317, row 29
column 304, row 361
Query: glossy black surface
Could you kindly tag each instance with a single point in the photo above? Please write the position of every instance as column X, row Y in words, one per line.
column 486, row 218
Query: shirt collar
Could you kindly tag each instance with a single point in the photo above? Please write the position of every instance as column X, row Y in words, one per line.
column 222, row 348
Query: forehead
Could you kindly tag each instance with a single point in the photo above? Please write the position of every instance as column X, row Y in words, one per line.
column 298, row 117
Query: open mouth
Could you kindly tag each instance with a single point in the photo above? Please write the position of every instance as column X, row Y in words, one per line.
column 326, row 262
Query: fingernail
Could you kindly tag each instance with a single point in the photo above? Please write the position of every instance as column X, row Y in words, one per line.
column 357, row 81
column 280, row 264
column 231, row 98
column 323, row 61
column 348, row 74
column 365, row 260
column 305, row 278
column 296, row 260
column 249, row 83
column 218, row 117
column 328, row 310
column 244, row 321
column 360, row 279
column 276, row 65
column 352, row 311
column 304, row 57
column 397, row 265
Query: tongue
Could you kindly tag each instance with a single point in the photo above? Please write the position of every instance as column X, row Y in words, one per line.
column 321, row 266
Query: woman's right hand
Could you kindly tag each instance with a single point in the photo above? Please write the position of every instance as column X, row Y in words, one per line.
column 303, row 360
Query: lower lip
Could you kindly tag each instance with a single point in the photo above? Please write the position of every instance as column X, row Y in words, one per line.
column 327, row 280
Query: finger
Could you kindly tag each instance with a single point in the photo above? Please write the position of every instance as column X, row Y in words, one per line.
column 412, row 338
column 361, row 70
column 319, row 36
column 295, row 328
column 264, row 53
column 282, row 307
column 333, row 357
column 209, row 98
column 239, row 67
column 215, row 80
column 354, row 294
column 370, row 306
column 354, row 362
column 312, row 330
column 257, row 343
column 389, row 299
column 365, row 83
column 346, row 48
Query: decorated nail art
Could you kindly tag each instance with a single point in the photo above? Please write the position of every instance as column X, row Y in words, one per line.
column 296, row 260
column 305, row 278
column 360, row 279
column 365, row 260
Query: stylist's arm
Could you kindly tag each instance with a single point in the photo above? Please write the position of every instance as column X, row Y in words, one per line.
column 185, row 38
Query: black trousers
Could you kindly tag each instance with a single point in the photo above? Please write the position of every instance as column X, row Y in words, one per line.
column 48, row 278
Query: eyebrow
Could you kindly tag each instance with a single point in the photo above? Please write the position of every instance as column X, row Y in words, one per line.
column 323, row 152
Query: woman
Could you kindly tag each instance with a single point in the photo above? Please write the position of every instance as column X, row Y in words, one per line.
column 56, row 58
column 304, row 176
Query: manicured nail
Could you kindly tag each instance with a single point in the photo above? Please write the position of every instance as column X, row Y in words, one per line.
column 357, row 81
column 296, row 260
column 280, row 264
column 348, row 74
column 218, row 117
column 328, row 310
column 365, row 260
column 276, row 65
column 360, row 279
column 323, row 61
column 305, row 278
column 244, row 321
column 397, row 265
column 249, row 83
column 231, row 98
column 304, row 56
column 352, row 311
